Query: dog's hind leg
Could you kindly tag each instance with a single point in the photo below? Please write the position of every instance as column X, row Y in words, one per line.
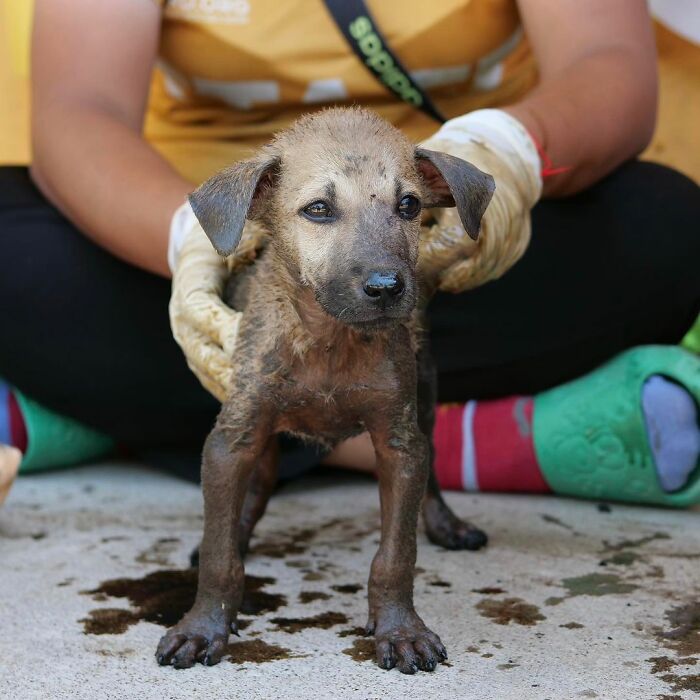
column 442, row 526
column 262, row 483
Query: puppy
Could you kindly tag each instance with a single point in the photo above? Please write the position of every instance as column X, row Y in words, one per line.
column 330, row 345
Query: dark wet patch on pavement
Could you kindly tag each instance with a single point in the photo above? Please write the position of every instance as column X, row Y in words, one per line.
column 555, row 521
column 348, row 587
column 683, row 638
column 593, row 585
column 310, row 596
column 163, row 597
column 628, row 544
column 684, row 635
column 258, row 652
column 361, row 650
column 292, row 625
column 516, row 610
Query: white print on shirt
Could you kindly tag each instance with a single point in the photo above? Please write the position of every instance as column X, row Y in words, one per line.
column 247, row 94
column 489, row 70
column 209, row 11
column 242, row 94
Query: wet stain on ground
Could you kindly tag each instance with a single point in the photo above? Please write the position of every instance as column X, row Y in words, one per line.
column 593, row 585
column 503, row 612
column 348, row 588
column 684, row 635
column 572, row 626
column 109, row 621
column 489, row 590
column 684, row 639
column 292, row 625
column 506, row 667
column 118, row 653
column 313, row 576
column 256, row 651
column 623, row 558
column 628, row 544
column 361, row 650
column 279, row 545
column 661, row 664
column 159, row 552
column 680, row 683
column 440, row 584
column 555, row 521
column 163, row 597
column 310, row 596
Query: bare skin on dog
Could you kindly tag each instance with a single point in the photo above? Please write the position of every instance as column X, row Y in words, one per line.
column 330, row 345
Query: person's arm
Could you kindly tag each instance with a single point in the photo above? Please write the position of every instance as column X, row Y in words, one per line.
column 91, row 69
column 595, row 106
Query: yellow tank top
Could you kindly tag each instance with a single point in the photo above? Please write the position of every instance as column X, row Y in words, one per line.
column 232, row 72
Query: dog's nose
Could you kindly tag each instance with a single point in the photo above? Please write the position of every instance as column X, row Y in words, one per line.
column 385, row 287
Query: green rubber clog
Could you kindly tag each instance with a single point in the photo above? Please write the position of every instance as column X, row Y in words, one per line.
column 691, row 340
column 56, row 441
column 590, row 434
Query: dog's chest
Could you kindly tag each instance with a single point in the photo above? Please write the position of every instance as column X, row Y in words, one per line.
column 325, row 398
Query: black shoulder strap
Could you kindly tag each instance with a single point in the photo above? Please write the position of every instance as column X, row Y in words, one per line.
column 365, row 38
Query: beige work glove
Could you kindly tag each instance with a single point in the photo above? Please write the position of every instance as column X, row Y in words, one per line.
column 203, row 325
column 498, row 144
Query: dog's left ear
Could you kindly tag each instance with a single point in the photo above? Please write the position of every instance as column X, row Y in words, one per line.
column 453, row 182
column 224, row 201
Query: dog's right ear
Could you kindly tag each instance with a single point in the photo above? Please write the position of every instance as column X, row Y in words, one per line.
column 224, row 201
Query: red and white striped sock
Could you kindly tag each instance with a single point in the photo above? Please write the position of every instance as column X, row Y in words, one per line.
column 487, row 446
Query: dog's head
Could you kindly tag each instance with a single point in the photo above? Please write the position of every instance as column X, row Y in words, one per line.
column 341, row 193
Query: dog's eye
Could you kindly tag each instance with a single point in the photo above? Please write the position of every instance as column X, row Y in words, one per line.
column 409, row 207
column 318, row 211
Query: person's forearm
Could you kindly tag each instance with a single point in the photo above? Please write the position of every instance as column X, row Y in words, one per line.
column 108, row 181
column 590, row 117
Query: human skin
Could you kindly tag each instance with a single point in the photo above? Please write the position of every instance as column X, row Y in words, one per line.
column 594, row 108
column 89, row 97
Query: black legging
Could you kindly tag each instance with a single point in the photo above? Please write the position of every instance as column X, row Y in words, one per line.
column 88, row 335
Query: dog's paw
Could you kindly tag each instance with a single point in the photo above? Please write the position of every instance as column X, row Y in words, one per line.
column 195, row 638
column 409, row 647
column 445, row 529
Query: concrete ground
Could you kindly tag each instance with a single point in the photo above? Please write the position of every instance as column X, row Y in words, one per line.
column 569, row 600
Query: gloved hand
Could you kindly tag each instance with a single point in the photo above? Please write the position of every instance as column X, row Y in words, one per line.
column 498, row 144
column 203, row 325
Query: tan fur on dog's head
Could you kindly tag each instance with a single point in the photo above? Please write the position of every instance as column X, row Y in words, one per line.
column 340, row 193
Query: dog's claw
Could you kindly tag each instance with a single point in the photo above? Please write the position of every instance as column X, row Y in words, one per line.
column 475, row 539
column 445, row 529
column 195, row 640
column 410, row 647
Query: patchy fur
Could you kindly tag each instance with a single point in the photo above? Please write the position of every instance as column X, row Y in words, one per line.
column 323, row 355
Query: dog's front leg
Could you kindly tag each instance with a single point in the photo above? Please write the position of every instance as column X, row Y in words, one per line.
column 229, row 456
column 402, row 639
